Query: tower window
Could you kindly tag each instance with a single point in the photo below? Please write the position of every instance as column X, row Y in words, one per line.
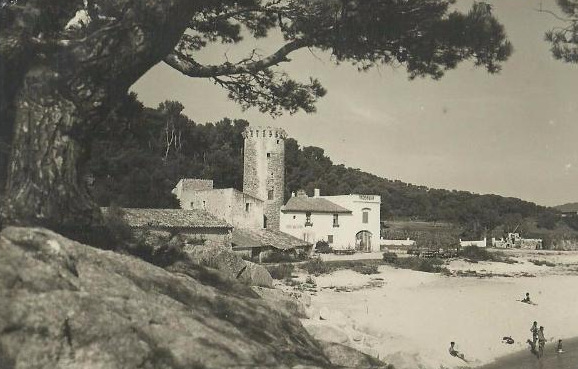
column 270, row 195
column 268, row 154
column 264, row 221
column 277, row 141
column 247, row 207
column 335, row 220
column 330, row 238
column 365, row 216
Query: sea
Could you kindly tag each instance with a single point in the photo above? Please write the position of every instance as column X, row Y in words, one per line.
column 551, row 359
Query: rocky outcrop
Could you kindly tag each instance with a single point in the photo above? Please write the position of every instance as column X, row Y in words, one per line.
column 230, row 264
column 68, row 305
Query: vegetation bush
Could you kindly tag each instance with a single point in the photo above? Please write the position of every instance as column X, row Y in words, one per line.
column 433, row 265
column 365, row 269
column 281, row 271
column 480, row 254
column 542, row 262
column 323, row 247
column 280, row 257
column 317, row 267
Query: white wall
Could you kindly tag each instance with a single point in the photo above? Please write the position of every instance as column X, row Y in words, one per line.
column 407, row 242
column 481, row 243
column 350, row 224
column 293, row 223
column 357, row 203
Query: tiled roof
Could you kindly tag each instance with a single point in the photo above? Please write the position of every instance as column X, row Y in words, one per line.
column 244, row 237
column 171, row 218
column 314, row 205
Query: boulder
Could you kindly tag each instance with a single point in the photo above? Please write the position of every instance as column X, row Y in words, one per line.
column 287, row 302
column 255, row 275
column 229, row 263
column 348, row 357
column 326, row 332
column 220, row 258
column 68, row 305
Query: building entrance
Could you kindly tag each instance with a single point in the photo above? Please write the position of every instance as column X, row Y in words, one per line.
column 363, row 241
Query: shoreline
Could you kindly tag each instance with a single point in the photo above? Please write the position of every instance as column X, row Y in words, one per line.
column 408, row 318
column 524, row 359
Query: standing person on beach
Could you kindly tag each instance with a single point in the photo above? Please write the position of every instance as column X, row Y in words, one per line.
column 541, row 341
column 534, row 331
column 453, row 350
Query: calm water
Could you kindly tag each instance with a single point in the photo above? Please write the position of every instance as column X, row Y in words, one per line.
column 550, row 360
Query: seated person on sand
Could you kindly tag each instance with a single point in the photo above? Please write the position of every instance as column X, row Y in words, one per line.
column 454, row 352
column 527, row 298
column 509, row 340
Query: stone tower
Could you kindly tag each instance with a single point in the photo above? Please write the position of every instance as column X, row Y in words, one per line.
column 264, row 169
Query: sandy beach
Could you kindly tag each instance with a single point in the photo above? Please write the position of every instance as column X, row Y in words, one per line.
column 408, row 318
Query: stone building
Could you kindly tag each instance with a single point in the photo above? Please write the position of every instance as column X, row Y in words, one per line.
column 237, row 208
column 343, row 221
column 264, row 169
column 196, row 226
column 255, row 212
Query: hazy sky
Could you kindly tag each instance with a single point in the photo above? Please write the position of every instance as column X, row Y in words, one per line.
column 512, row 134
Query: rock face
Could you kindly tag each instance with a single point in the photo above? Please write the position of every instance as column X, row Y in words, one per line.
column 230, row 264
column 67, row 305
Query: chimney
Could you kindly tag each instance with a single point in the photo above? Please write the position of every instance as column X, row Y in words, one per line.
column 316, row 192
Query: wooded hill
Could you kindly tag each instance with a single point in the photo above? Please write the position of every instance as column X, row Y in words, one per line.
column 137, row 161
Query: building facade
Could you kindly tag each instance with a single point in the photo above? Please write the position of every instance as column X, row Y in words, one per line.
column 343, row 221
column 264, row 169
column 235, row 207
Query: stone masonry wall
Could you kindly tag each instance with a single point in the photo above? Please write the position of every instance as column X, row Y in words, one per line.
column 264, row 168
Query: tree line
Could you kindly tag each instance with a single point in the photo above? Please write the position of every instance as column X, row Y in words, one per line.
column 137, row 161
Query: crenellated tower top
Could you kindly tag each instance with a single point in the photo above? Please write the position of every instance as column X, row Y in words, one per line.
column 264, row 132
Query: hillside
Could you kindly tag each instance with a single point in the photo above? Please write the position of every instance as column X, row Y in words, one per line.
column 139, row 157
column 571, row 207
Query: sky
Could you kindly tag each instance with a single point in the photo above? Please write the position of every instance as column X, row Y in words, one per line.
column 512, row 134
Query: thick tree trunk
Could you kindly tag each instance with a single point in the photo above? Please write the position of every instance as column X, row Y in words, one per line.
column 44, row 176
column 70, row 85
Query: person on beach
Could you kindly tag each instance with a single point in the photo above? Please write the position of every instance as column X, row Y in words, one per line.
column 454, row 351
column 507, row 339
column 559, row 347
column 534, row 331
column 527, row 298
column 541, row 341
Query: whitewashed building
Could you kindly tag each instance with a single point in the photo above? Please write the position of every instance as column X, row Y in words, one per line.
column 343, row 221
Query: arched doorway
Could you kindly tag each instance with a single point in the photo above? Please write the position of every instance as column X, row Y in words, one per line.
column 363, row 241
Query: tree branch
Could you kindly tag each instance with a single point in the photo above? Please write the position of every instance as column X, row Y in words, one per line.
column 192, row 68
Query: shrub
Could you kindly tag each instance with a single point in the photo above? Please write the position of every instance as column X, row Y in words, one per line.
column 480, row 254
column 365, row 269
column 316, row 267
column 279, row 257
column 542, row 262
column 389, row 257
column 281, row 271
column 432, row 265
column 323, row 247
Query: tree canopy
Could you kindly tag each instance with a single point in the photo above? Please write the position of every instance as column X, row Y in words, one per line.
column 564, row 39
column 65, row 65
